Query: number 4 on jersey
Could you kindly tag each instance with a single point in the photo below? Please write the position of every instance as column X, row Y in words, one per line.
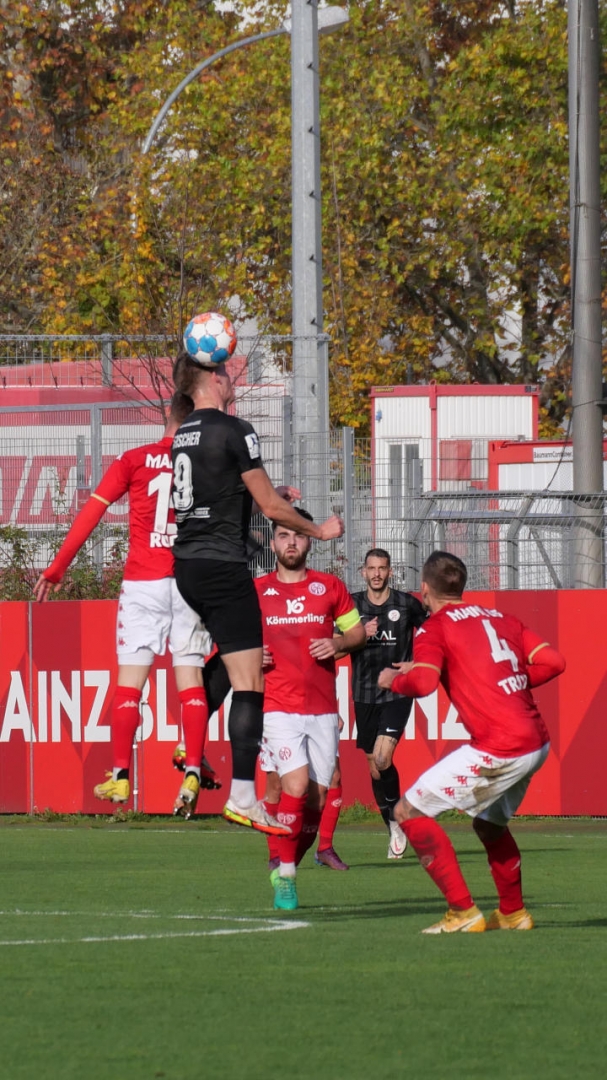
column 500, row 649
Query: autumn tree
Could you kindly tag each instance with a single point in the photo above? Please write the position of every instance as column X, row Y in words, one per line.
column 445, row 181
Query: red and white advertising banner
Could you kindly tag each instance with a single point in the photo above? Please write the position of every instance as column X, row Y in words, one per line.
column 58, row 670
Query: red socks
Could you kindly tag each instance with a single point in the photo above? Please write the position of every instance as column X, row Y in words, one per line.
column 505, row 864
column 272, row 808
column 291, row 813
column 194, row 720
column 311, row 821
column 329, row 819
column 437, row 856
column 125, row 721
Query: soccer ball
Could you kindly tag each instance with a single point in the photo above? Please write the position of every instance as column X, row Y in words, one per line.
column 209, row 338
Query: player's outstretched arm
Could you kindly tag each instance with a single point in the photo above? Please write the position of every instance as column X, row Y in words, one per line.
column 90, row 516
column 419, row 681
column 543, row 662
column 269, row 501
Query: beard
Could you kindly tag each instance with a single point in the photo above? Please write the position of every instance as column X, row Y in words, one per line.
column 293, row 560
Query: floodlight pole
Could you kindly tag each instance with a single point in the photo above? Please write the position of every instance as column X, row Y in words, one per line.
column 310, row 352
column 585, row 237
column 172, row 98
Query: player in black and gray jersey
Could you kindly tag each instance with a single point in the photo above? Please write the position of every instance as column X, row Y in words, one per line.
column 390, row 618
column 217, row 478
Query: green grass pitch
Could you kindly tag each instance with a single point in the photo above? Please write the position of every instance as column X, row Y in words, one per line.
column 145, row 950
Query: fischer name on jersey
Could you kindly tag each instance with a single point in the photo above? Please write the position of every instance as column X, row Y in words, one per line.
column 294, row 614
column 146, row 475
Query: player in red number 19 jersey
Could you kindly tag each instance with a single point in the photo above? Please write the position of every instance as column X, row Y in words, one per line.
column 151, row 610
column 300, row 609
column 488, row 663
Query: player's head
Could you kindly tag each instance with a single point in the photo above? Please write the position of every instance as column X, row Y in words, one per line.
column 290, row 547
column 212, row 383
column 444, row 577
column 376, row 569
column 181, row 407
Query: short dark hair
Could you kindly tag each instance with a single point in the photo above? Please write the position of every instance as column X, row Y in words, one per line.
column 298, row 510
column 378, row 553
column 181, row 407
column 445, row 574
column 187, row 372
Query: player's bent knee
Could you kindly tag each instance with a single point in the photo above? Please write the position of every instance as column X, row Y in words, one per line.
column 403, row 811
column 373, row 767
column 487, row 831
column 382, row 761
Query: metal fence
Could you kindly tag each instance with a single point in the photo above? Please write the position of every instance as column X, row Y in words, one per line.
column 394, row 497
column 52, row 456
column 81, row 360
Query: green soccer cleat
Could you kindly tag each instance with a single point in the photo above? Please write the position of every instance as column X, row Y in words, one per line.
column 285, row 892
column 116, row 791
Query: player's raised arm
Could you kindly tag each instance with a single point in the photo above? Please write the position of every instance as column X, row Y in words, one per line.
column 276, row 508
column 84, row 524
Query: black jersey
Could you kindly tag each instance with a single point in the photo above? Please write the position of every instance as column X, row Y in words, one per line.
column 211, row 450
column 397, row 618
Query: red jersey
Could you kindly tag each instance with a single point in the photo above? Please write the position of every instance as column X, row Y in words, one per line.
column 292, row 616
column 482, row 656
column 146, row 475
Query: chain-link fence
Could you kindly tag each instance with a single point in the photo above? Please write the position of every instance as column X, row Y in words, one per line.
column 52, row 456
column 394, row 496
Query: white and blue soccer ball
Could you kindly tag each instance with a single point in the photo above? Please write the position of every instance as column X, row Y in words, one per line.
column 209, row 338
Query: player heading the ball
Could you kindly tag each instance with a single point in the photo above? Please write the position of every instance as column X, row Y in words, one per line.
column 218, row 475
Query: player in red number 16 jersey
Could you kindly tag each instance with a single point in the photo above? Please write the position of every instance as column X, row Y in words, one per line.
column 300, row 609
column 488, row 663
column 151, row 610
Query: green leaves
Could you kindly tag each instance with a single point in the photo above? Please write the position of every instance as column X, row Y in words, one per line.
column 444, row 181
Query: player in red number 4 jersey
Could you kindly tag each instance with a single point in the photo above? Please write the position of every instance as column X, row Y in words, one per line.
column 488, row 663
column 151, row 609
column 300, row 609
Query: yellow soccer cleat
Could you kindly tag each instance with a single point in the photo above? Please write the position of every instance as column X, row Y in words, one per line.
column 116, row 791
column 185, row 803
column 518, row 920
column 255, row 817
column 471, row 921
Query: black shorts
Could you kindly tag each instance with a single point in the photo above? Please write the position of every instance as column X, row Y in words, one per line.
column 387, row 719
column 225, row 598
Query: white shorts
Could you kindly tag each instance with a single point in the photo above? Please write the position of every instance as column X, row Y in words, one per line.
column 150, row 613
column 291, row 740
column 477, row 783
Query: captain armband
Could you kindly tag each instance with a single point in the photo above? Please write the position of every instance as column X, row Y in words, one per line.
column 347, row 621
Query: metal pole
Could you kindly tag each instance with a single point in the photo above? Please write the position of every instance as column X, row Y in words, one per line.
column 107, row 360
column 310, row 376
column 287, row 440
column 96, row 473
column 347, row 450
column 585, row 225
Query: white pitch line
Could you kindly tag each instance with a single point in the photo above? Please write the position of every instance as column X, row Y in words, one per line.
column 264, row 926
column 20, row 913
column 267, row 929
